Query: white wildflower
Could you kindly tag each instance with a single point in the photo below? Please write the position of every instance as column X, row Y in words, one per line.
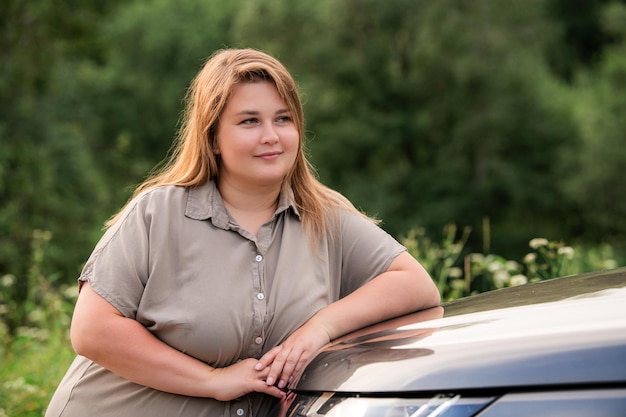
column 455, row 272
column 538, row 242
column 518, row 280
column 566, row 251
column 477, row 257
column 494, row 267
column 20, row 384
column 501, row 278
column 511, row 266
column 7, row 280
column 530, row 258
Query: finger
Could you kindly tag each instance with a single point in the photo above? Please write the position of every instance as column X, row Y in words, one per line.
column 268, row 358
column 288, row 370
column 276, row 368
column 285, row 365
column 291, row 366
column 270, row 390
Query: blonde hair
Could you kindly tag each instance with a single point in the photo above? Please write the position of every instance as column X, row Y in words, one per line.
column 193, row 161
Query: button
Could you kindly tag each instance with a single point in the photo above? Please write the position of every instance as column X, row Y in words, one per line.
column 258, row 258
column 258, row 340
column 240, row 412
column 260, row 296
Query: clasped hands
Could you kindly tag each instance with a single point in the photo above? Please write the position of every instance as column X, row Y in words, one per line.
column 273, row 371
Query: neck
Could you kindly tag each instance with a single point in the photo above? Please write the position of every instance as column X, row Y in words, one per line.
column 251, row 208
column 249, row 199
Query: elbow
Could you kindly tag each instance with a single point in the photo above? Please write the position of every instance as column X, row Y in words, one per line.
column 94, row 319
column 91, row 338
column 429, row 295
column 82, row 341
column 435, row 297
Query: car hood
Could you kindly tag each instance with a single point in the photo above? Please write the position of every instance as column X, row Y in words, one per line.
column 568, row 330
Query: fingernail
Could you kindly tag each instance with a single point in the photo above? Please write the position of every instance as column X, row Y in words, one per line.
column 258, row 366
column 270, row 381
column 290, row 379
column 281, row 384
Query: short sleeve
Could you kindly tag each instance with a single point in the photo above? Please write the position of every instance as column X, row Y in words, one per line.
column 117, row 269
column 366, row 250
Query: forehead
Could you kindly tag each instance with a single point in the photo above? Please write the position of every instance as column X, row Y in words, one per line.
column 255, row 93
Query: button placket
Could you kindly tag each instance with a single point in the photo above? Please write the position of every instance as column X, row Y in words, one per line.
column 259, row 306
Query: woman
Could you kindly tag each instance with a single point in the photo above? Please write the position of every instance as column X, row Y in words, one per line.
column 230, row 267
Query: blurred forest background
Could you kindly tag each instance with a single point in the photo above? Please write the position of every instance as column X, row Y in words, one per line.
column 507, row 117
column 484, row 123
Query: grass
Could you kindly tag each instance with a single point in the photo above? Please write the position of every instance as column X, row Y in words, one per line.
column 36, row 353
column 35, row 362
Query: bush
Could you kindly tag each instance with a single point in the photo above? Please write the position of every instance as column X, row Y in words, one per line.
column 458, row 274
column 35, row 349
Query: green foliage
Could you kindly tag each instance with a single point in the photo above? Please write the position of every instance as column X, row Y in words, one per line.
column 459, row 273
column 48, row 180
column 439, row 259
column 35, row 361
column 432, row 101
column 37, row 353
column 139, row 92
column 421, row 112
column 598, row 191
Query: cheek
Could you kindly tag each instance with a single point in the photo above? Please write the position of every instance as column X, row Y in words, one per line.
column 234, row 144
column 292, row 141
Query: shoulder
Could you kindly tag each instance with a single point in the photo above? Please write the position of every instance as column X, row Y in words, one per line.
column 159, row 200
column 162, row 195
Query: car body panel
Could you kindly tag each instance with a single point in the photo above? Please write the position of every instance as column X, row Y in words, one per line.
column 562, row 332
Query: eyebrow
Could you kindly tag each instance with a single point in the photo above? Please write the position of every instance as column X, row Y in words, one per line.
column 256, row 113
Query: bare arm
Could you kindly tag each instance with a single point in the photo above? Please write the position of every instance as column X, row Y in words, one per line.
column 405, row 287
column 122, row 345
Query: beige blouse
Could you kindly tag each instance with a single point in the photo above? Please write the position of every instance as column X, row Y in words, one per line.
column 180, row 265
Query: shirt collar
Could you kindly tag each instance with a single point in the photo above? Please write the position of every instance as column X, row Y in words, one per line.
column 205, row 202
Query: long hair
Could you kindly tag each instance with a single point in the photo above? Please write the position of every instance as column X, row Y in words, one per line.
column 193, row 160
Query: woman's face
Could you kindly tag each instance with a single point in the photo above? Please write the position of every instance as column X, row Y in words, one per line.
column 257, row 138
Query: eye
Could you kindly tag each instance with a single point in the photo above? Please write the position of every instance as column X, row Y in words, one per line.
column 284, row 119
column 250, row 121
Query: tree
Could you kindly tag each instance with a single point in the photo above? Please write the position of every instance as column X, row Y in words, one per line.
column 47, row 176
column 429, row 112
column 598, row 190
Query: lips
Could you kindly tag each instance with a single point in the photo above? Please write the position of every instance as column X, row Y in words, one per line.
column 269, row 155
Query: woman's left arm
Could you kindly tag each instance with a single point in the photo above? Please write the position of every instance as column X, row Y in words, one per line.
column 403, row 288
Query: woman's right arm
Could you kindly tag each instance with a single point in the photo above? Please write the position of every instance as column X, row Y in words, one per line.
column 122, row 345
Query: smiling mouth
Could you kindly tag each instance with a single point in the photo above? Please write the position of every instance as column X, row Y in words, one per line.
column 269, row 155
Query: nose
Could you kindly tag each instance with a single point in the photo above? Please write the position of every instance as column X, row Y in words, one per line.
column 270, row 136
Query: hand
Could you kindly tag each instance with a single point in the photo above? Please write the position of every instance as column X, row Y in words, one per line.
column 291, row 355
column 240, row 379
column 285, row 403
